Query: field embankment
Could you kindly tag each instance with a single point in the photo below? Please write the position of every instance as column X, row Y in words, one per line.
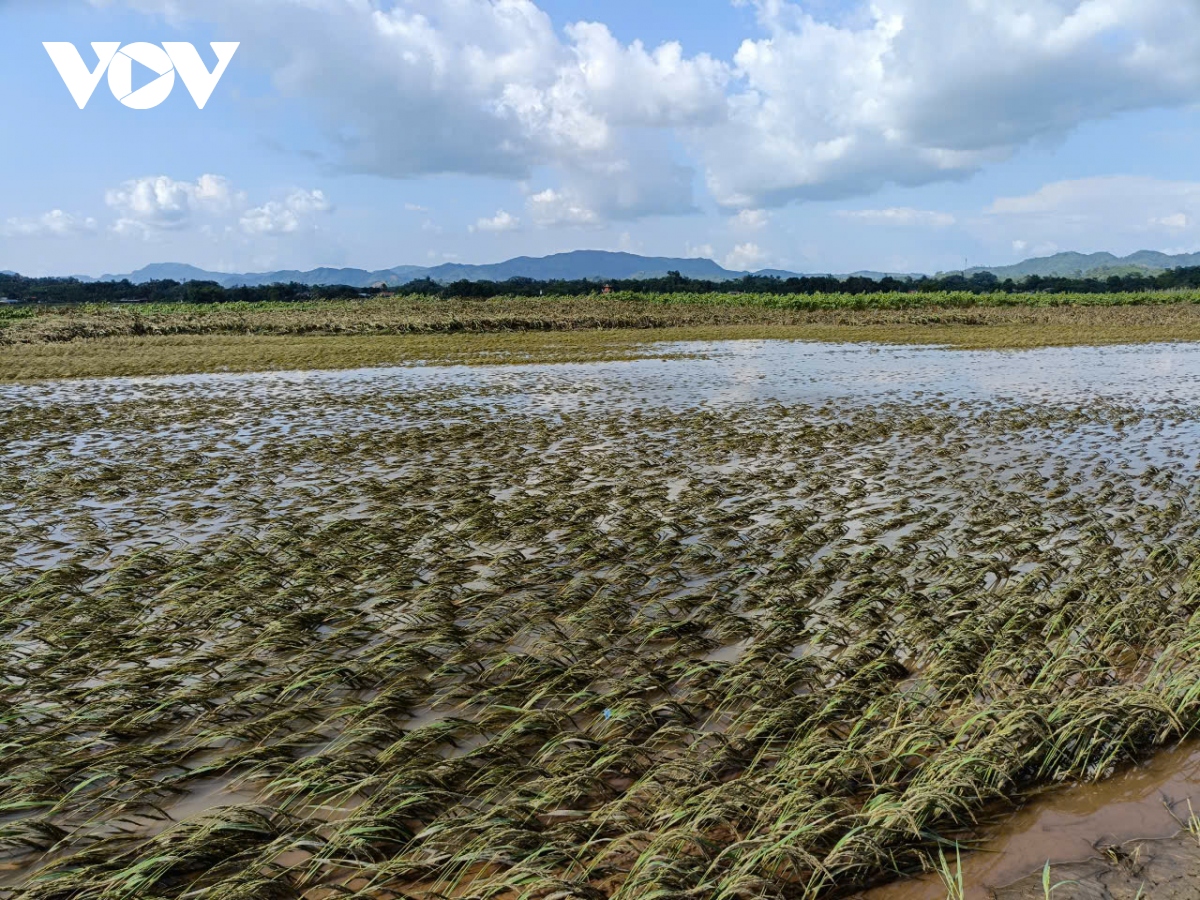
column 146, row 339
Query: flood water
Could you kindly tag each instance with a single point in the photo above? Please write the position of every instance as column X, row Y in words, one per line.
column 725, row 372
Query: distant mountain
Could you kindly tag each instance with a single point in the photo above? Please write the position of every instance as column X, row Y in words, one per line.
column 6, row 272
column 1092, row 264
column 875, row 276
column 166, row 272
column 879, row 276
column 324, row 276
column 592, row 264
column 597, row 265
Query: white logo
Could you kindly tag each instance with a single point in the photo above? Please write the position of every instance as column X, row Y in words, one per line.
column 164, row 61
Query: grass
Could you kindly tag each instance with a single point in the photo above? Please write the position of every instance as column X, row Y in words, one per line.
column 153, row 340
column 406, row 638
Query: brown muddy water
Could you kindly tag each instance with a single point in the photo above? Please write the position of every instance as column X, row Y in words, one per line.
column 1079, row 830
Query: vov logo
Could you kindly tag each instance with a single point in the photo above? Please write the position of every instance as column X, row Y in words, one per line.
column 164, row 61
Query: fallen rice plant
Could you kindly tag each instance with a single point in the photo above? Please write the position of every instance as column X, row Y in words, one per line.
column 281, row 641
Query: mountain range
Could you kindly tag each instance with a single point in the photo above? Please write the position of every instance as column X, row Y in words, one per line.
column 601, row 265
column 591, row 264
column 1094, row 265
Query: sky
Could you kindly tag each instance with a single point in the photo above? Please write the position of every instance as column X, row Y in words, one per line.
column 822, row 136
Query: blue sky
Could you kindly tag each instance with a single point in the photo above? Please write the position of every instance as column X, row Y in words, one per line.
column 912, row 135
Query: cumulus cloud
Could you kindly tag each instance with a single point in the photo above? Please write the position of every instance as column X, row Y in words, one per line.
column 162, row 203
column 552, row 209
column 747, row 256
column 55, row 223
column 1120, row 212
column 286, row 216
column 901, row 215
column 751, row 220
column 154, row 205
column 634, row 86
column 501, row 221
column 915, row 91
column 1173, row 222
column 484, row 87
column 891, row 92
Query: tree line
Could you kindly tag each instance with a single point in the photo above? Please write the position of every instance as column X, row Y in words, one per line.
column 674, row 282
column 72, row 290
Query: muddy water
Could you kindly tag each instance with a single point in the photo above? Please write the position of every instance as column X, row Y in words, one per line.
column 1073, row 825
column 209, row 795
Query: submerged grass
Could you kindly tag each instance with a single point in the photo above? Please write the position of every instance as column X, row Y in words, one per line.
column 262, row 642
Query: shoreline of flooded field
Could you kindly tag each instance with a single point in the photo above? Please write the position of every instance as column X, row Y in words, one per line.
column 1071, row 826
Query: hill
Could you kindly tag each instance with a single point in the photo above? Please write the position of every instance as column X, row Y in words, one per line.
column 1098, row 265
column 594, row 265
column 600, row 265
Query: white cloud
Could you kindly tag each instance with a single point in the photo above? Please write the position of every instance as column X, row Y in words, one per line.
column 633, row 86
column 703, row 251
column 1173, row 222
column 307, row 202
column 751, row 220
column 487, row 87
column 152, row 206
column 144, row 205
column 553, row 209
column 746, row 256
column 55, row 223
column 1121, row 213
column 901, row 215
column 645, row 182
column 413, row 207
column 501, row 221
column 1100, row 198
column 915, row 91
column 894, row 91
column 287, row 216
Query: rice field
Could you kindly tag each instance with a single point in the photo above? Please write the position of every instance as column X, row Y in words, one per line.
column 38, row 342
column 774, row 620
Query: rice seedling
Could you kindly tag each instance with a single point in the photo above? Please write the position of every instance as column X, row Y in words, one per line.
column 1049, row 887
column 1192, row 823
column 952, row 878
column 438, row 637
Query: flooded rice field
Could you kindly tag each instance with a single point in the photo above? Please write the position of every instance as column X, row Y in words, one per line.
column 770, row 620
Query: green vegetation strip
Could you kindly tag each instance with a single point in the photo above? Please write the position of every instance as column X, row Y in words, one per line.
column 270, row 640
column 88, row 341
